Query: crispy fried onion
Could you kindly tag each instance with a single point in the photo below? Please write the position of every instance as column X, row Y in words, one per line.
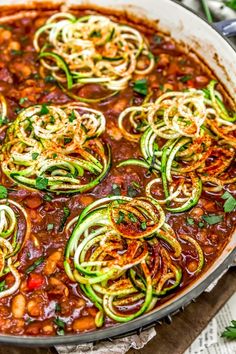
column 123, row 254
column 56, row 148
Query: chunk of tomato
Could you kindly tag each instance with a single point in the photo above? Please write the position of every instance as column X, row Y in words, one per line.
column 35, row 281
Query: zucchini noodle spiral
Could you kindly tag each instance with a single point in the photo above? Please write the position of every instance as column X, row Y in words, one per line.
column 3, row 108
column 184, row 136
column 116, row 256
column 12, row 239
column 56, row 148
column 92, row 49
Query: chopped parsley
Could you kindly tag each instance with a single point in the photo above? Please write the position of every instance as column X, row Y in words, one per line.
column 72, row 116
column 35, row 155
column 144, row 225
column 66, row 214
column 201, row 224
column 49, row 79
column 47, row 197
column 52, row 120
column 116, row 190
column 67, row 140
column 23, row 99
column 60, row 326
column 132, row 192
column 141, row 86
column 57, row 307
column 185, row 78
column 230, row 202
column 95, row 34
column 3, row 120
column 3, row 192
column 33, row 266
column 41, row 183
column 132, row 217
column 157, row 39
column 50, row 227
column 120, row 218
column 44, row 110
column 2, row 285
column 190, row 221
column 212, row 219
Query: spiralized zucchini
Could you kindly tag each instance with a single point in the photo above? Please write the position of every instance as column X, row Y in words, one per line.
column 116, row 256
column 92, row 49
column 56, row 148
column 187, row 136
column 12, row 239
column 3, row 108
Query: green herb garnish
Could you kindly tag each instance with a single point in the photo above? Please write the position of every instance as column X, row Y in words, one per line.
column 2, row 285
column 132, row 192
column 44, row 110
column 72, row 116
column 49, row 79
column 141, row 86
column 144, row 225
column 47, row 197
column 157, row 39
column 3, row 120
column 41, row 183
column 212, row 219
column 52, row 120
column 67, row 140
column 230, row 332
column 132, row 217
column 33, row 266
column 121, row 218
column 230, row 202
column 201, row 224
column 95, row 34
column 60, row 326
column 190, row 221
column 23, row 99
column 185, row 78
column 3, row 192
column 65, row 216
column 57, row 307
column 50, row 227
column 35, row 155
column 116, row 190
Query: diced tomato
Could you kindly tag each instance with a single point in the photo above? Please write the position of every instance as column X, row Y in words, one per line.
column 35, row 281
column 190, row 83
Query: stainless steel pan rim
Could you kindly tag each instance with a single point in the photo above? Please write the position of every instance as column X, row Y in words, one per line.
column 145, row 321
column 135, row 326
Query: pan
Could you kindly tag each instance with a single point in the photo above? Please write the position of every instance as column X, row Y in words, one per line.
column 207, row 42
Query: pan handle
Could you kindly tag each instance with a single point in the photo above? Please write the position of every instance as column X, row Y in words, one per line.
column 226, row 27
